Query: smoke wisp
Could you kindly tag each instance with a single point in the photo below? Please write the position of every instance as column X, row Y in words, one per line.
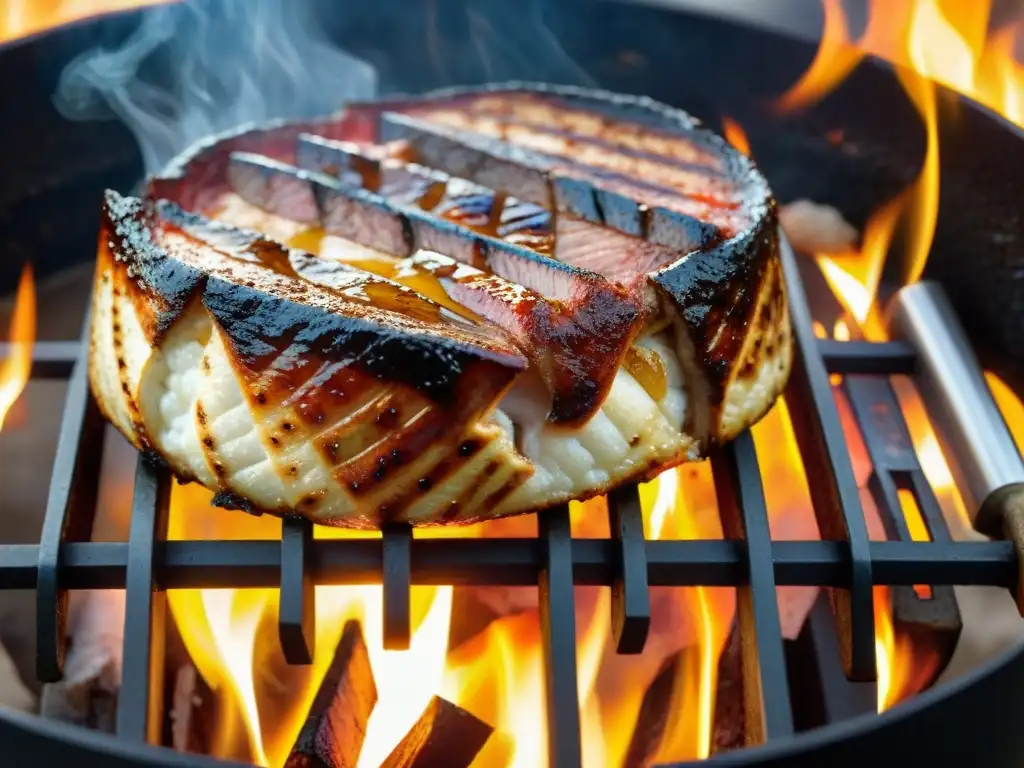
column 196, row 68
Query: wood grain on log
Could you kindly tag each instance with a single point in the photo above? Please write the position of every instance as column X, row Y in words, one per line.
column 335, row 728
column 445, row 736
column 660, row 714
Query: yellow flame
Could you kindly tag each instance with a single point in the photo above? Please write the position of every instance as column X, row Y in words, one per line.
column 834, row 60
column 944, row 41
column 885, row 647
column 19, row 18
column 680, row 504
column 735, row 135
column 17, row 366
column 933, row 41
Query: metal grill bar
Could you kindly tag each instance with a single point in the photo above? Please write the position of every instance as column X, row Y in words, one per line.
column 139, row 704
column 893, row 458
column 744, row 516
column 558, row 629
column 886, row 358
column 517, row 563
column 933, row 616
column 631, row 599
column 296, row 611
column 70, row 510
column 834, row 491
column 397, row 575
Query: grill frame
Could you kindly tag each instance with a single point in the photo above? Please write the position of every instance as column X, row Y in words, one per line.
column 554, row 561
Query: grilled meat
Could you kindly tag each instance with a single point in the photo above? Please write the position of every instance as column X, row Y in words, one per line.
column 443, row 309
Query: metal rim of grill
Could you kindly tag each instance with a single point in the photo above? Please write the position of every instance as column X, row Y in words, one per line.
column 747, row 559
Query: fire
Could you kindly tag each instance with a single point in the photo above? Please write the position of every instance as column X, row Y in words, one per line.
column 20, row 18
column 943, row 41
column 223, row 630
column 498, row 674
column 16, row 367
column 673, row 511
column 735, row 135
column 932, row 44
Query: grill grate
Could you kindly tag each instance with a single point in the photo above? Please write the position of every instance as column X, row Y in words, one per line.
column 748, row 560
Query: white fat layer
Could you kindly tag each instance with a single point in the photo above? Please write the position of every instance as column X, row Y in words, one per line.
column 630, row 432
column 170, row 389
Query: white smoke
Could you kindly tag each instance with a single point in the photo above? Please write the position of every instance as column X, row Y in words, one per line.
column 512, row 38
column 196, row 68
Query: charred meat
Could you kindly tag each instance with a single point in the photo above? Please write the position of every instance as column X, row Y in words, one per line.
column 443, row 309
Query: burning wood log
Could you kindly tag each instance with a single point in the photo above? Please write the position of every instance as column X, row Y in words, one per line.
column 656, row 716
column 471, row 615
column 335, row 728
column 445, row 736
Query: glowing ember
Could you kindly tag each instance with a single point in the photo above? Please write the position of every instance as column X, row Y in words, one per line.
column 16, row 367
column 19, row 18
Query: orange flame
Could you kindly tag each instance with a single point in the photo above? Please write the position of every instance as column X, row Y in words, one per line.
column 735, row 135
column 943, row 41
column 20, row 18
column 934, row 42
column 677, row 509
column 835, row 59
column 17, row 366
column 497, row 675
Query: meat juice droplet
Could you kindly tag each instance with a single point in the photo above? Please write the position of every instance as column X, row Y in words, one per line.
column 420, row 281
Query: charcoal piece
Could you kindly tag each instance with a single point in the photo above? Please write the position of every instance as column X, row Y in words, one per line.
column 335, row 727
column 445, row 736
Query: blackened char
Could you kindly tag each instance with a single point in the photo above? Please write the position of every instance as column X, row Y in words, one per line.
column 716, row 293
column 265, row 303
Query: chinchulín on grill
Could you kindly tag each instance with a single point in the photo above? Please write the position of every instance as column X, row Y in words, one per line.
column 442, row 309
